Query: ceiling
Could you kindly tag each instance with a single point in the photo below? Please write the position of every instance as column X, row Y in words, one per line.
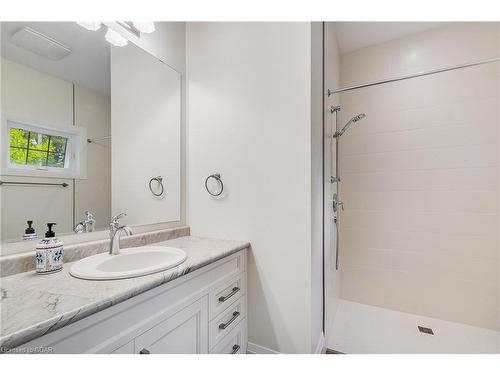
column 88, row 64
column 355, row 35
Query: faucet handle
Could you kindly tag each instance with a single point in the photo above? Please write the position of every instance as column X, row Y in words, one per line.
column 114, row 219
column 89, row 216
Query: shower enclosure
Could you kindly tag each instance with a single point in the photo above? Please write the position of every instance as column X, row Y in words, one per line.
column 411, row 223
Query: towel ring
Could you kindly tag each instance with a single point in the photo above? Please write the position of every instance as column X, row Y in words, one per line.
column 215, row 176
column 158, row 179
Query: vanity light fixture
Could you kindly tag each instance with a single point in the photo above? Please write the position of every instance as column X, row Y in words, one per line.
column 115, row 38
column 114, row 34
column 137, row 28
column 144, row 27
column 91, row 26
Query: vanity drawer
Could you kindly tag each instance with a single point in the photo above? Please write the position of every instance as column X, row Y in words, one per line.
column 224, row 323
column 226, row 293
column 235, row 342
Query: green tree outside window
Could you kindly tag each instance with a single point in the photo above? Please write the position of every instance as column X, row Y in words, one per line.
column 37, row 149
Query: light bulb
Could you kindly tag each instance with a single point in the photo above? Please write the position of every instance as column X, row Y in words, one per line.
column 115, row 39
column 92, row 26
column 144, row 27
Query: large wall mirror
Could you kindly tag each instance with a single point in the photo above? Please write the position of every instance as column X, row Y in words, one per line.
column 88, row 130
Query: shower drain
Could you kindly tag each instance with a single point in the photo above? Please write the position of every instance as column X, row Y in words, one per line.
column 426, row 330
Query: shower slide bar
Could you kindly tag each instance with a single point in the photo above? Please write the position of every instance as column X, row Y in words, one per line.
column 415, row 75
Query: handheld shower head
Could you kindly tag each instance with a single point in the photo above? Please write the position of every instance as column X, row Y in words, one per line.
column 358, row 117
column 352, row 121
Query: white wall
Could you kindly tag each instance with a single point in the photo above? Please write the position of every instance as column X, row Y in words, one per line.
column 331, row 80
column 420, row 177
column 249, row 118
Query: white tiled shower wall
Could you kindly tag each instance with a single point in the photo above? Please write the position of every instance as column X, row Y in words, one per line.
column 420, row 177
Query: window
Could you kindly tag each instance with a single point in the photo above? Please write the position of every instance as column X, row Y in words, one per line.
column 37, row 149
column 43, row 150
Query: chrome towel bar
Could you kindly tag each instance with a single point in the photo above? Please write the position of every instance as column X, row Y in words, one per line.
column 63, row 184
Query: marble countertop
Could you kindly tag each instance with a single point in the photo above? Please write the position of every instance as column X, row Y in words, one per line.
column 32, row 305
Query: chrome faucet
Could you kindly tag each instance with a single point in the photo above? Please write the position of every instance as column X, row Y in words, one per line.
column 86, row 225
column 115, row 230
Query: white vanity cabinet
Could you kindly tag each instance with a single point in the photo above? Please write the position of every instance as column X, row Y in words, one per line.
column 201, row 312
column 184, row 332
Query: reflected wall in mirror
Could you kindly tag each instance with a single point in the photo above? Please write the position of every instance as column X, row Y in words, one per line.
column 55, row 77
column 146, row 121
column 72, row 123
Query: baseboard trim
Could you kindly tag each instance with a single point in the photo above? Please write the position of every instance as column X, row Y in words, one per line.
column 321, row 345
column 257, row 349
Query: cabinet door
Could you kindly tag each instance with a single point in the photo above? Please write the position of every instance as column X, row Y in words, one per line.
column 185, row 332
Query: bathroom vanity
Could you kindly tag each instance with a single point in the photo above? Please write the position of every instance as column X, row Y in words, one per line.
column 95, row 125
column 197, row 307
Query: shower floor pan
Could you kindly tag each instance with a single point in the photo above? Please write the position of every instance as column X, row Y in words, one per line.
column 365, row 329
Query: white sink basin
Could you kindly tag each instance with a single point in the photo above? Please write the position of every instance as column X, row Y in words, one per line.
column 137, row 261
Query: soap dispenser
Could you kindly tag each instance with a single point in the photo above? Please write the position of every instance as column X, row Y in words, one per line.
column 49, row 252
column 29, row 233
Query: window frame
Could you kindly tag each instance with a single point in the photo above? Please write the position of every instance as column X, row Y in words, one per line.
column 75, row 156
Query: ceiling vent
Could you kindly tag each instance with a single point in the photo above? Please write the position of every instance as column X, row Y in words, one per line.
column 40, row 44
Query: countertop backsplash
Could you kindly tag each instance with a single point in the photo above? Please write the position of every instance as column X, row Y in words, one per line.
column 24, row 262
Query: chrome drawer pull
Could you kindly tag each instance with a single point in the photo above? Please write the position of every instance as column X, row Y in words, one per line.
column 225, row 325
column 144, row 351
column 233, row 292
column 235, row 349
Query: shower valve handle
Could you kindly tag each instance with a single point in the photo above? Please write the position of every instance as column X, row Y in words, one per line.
column 336, row 203
column 340, row 204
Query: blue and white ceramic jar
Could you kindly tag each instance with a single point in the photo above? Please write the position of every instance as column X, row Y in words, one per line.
column 49, row 253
